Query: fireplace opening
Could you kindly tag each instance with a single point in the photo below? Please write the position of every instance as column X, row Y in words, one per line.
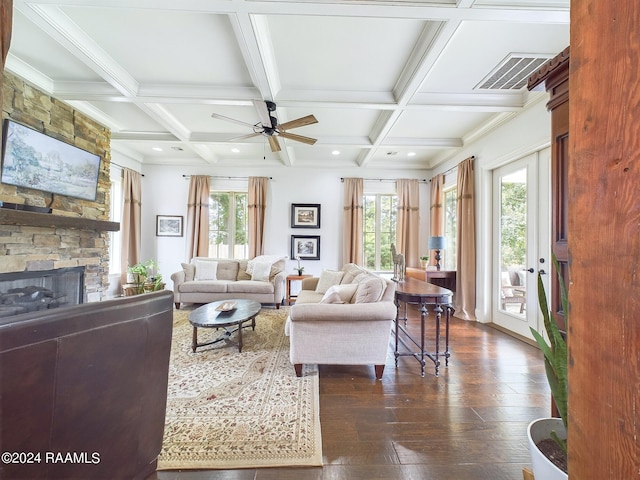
column 22, row 292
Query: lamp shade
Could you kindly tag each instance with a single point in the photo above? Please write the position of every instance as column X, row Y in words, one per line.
column 437, row 243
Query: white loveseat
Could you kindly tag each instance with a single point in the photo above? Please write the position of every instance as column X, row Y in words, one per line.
column 206, row 280
column 342, row 318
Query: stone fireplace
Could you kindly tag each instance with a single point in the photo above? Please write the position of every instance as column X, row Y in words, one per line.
column 75, row 234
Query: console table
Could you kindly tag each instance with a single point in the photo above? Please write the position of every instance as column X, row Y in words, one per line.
column 442, row 278
column 417, row 292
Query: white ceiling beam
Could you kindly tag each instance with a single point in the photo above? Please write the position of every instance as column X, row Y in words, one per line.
column 249, row 43
column 432, row 42
column 166, row 119
column 63, row 30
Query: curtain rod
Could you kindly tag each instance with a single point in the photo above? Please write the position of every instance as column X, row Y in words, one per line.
column 384, row 180
column 472, row 157
column 225, row 177
column 114, row 163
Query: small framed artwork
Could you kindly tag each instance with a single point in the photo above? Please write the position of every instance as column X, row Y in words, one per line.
column 306, row 247
column 168, row 226
column 305, row 215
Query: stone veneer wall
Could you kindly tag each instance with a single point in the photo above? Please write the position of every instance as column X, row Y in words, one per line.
column 27, row 248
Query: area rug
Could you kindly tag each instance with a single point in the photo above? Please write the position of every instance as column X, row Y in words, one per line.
column 227, row 409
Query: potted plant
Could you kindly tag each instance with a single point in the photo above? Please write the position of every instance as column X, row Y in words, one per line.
column 154, row 278
column 548, row 436
column 143, row 277
column 424, row 261
column 299, row 268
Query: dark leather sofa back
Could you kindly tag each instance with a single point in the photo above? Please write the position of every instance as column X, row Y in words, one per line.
column 85, row 387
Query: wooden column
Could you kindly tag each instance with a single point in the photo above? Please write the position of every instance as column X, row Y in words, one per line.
column 604, row 240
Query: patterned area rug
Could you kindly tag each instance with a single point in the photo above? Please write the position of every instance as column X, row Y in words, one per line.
column 239, row 410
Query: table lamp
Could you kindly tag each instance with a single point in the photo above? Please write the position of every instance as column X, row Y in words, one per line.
column 437, row 244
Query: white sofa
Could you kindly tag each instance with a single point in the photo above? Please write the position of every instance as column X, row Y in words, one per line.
column 206, row 280
column 342, row 318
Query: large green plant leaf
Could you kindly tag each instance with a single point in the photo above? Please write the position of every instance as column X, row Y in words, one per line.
column 555, row 351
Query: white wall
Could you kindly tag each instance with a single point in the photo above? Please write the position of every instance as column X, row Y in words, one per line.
column 165, row 191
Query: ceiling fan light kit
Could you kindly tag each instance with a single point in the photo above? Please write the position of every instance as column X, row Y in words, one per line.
column 268, row 125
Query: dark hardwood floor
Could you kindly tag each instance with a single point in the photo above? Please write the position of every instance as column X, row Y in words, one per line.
column 468, row 423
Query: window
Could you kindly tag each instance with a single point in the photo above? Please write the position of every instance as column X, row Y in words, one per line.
column 228, row 225
column 117, row 201
column 380, row 213
column 450, row 228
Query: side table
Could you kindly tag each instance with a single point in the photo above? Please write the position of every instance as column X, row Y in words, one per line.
column 289, row 279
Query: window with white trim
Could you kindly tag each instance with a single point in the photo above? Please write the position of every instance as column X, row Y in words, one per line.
column 229, row 225
column 380, row 213
column 450, row 254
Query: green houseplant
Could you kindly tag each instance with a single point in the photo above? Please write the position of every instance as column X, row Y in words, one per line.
column 555, row 361
column 424, row 260
column 145, row 277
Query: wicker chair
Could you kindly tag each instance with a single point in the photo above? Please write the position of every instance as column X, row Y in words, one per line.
column 513, row 289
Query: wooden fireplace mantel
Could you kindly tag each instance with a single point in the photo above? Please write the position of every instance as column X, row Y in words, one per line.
column 35, row 219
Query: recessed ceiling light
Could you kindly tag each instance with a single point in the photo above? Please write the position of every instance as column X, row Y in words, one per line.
column 235, row 150
column 177, row 149
column 336, row 152
column 391, row 154
column 411, row 154
column 157, row 149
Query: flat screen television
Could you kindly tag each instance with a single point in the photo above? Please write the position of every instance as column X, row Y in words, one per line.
column 32, row 159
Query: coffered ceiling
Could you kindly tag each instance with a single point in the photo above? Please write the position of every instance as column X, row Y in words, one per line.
column 393, row 84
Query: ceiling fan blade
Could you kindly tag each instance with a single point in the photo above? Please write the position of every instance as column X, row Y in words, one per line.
column 263, row 112
column 244, row 137
column 228, row 119
column 274, row 144
column 298, row 138
column 298, row 122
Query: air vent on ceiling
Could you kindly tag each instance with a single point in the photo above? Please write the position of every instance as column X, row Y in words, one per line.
column 513, row 72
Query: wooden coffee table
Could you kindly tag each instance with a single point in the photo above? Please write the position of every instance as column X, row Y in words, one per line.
column 209, row 316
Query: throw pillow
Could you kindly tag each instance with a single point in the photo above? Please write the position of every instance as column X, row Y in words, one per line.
column 261, row 271
column 189, row 271
column 350, row 271
column 328, row 278
column 344, row 293
column 331, row 297
column 370, row 290
column 206, row 270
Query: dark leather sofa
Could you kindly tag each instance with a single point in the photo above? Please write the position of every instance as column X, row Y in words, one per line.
column 85, row 388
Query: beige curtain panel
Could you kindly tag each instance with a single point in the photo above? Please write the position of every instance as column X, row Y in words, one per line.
column 408, row 221
column 257, row 210
column 436, row 218
column 198, row 216
column 353, row 223
column 466, row 244
column 131, row 224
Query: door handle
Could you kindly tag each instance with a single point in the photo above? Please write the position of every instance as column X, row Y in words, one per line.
column 530, row 270
column 542, row 272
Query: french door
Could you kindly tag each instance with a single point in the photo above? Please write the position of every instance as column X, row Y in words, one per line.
column 521, row 240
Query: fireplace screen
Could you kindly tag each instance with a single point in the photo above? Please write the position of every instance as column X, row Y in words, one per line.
column 22, row 292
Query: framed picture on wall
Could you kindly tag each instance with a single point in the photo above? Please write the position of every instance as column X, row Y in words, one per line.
column 168, row 226
column 305, row 247
column 305, row 215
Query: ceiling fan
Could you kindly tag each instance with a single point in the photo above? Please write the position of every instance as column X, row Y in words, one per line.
column 269, row 126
